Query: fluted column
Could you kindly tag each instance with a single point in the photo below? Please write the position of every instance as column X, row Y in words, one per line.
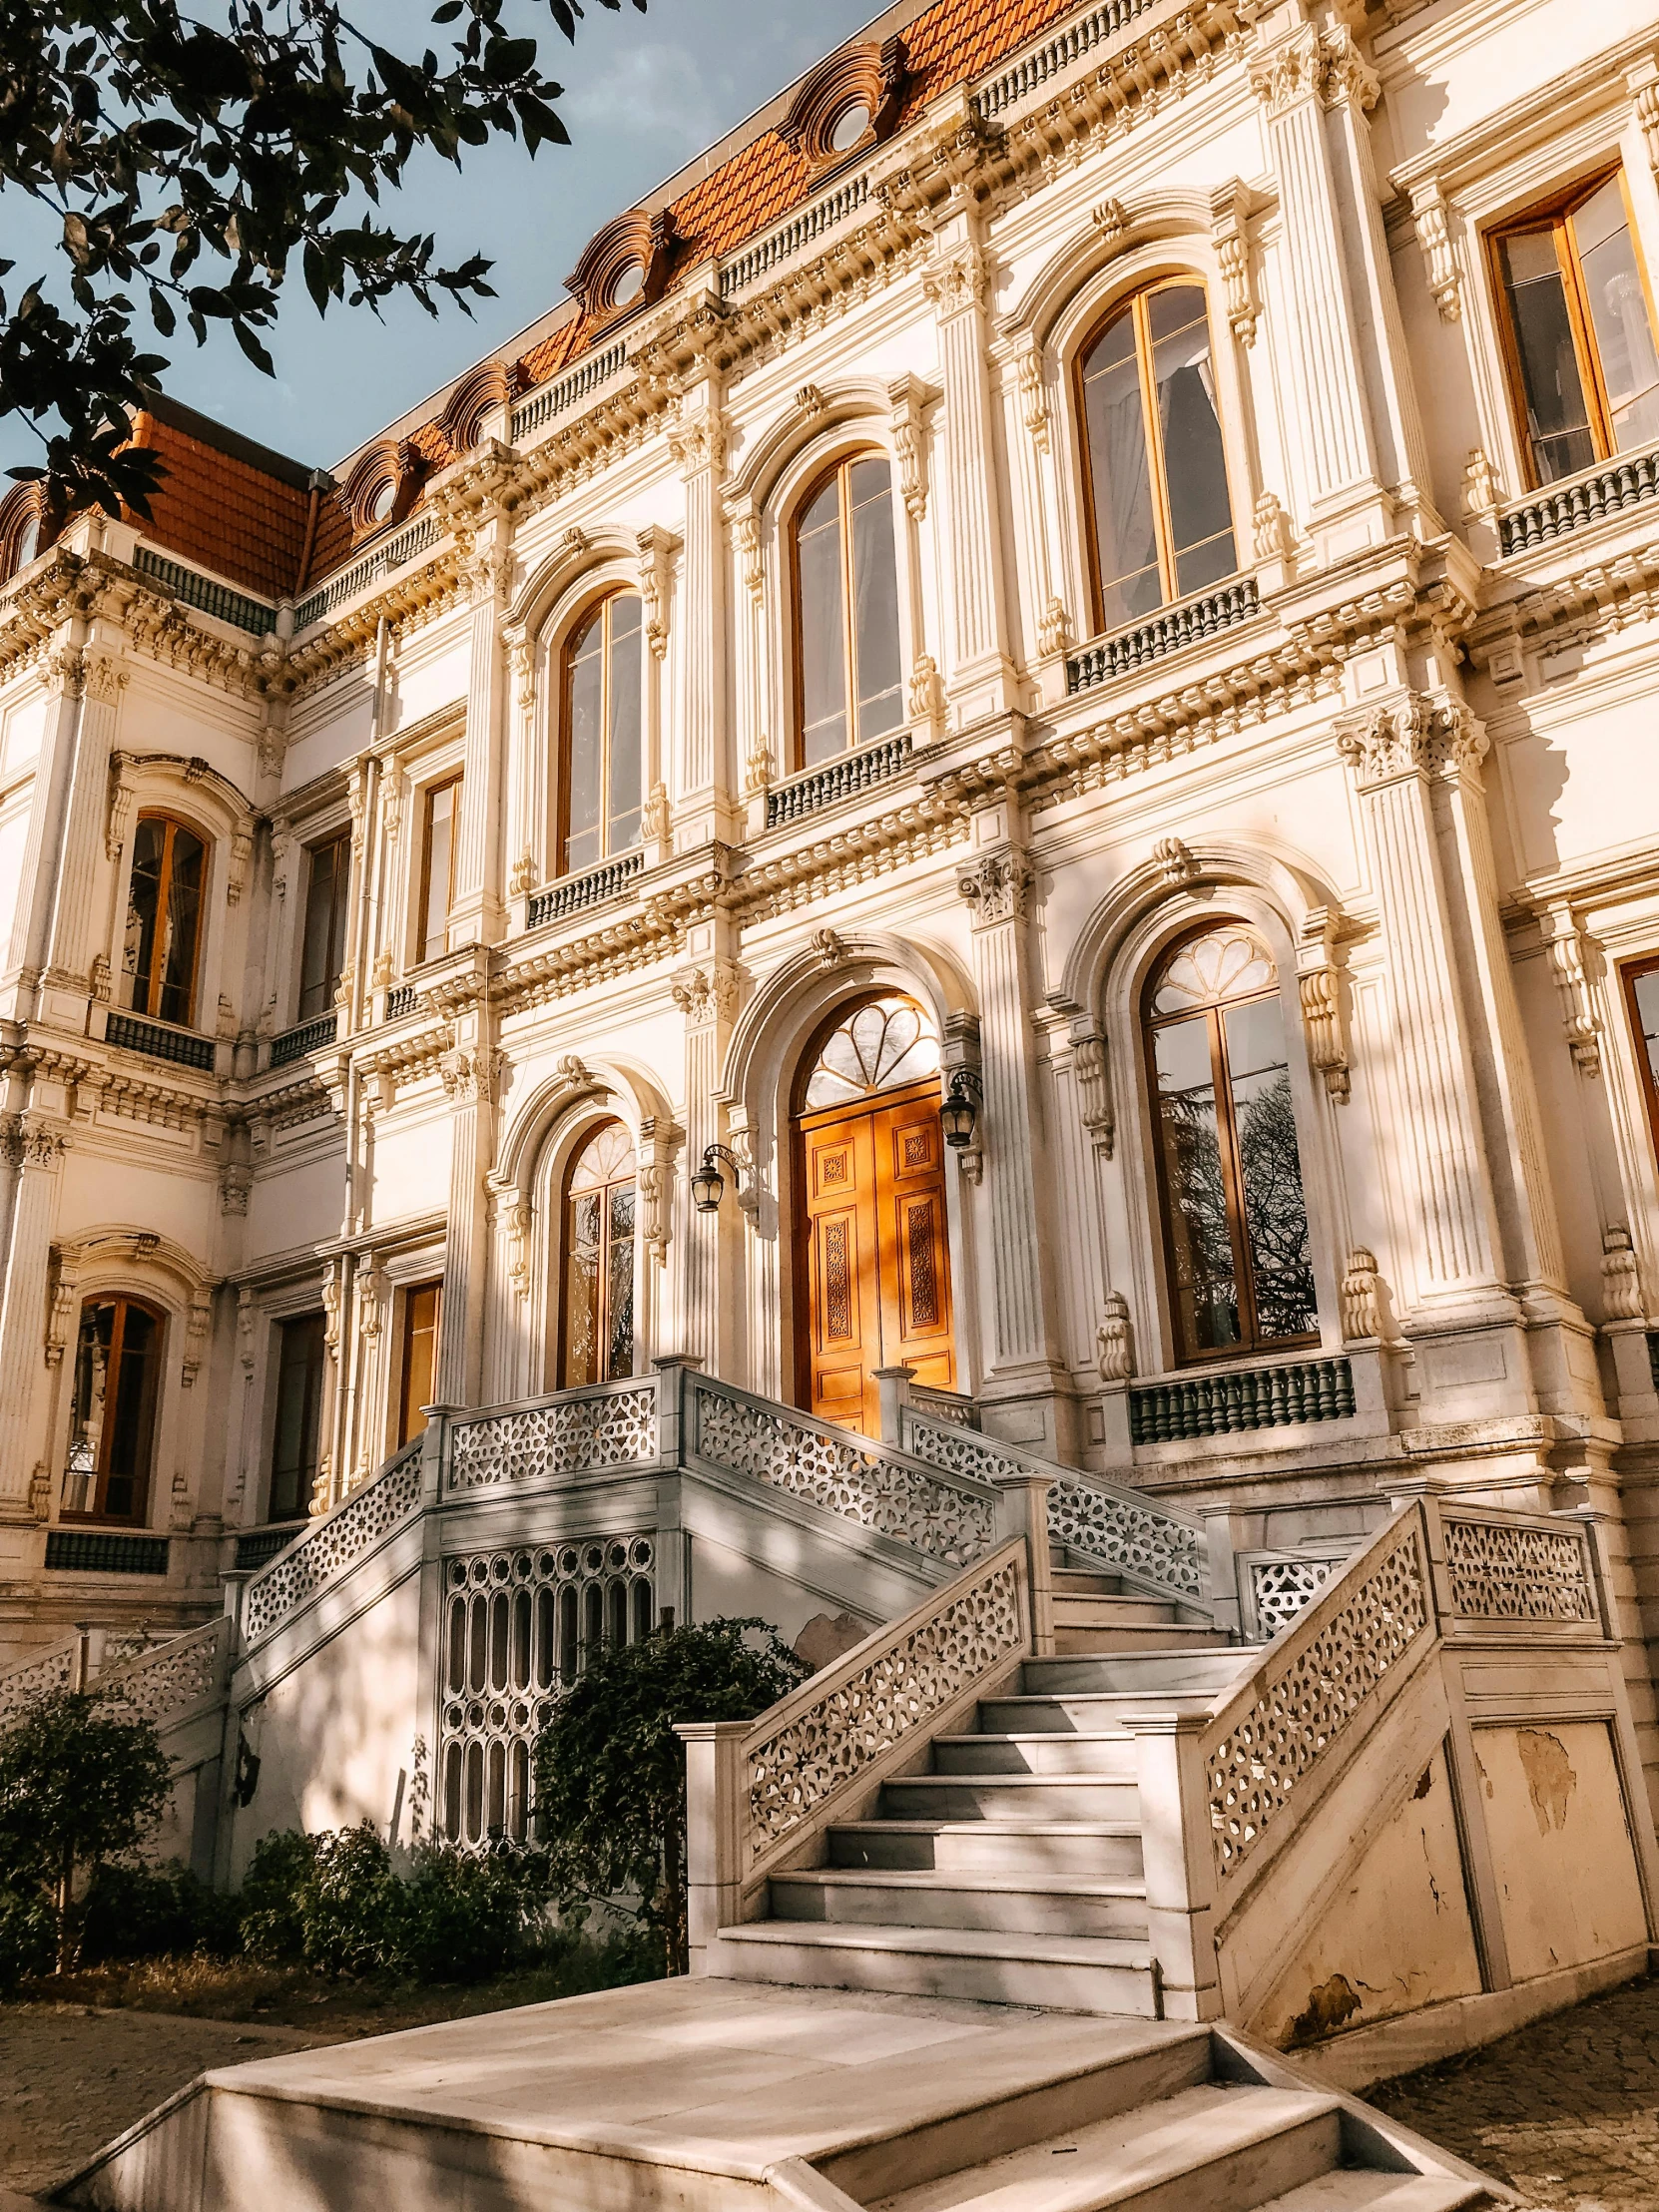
column 1021, row 1340
column 24, row 957
column 32, row 1149
column 979, row 677
column 707, row 996
column 471, row 1069
column 478, row 911
column 1319, row 343
column 70, row 949
column 701, row 778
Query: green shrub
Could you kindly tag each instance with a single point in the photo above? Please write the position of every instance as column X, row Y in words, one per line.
column 27, row 1937
column 135, row 1911
column 273, row 1919
column 83, row 1778
column 351, row 1904
column 611, row 1773
column 464, row 1918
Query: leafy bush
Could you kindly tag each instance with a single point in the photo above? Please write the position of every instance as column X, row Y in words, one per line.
column 83, row 1778
column 273, row 1918
column 351, row 1904
column 135, row 1912
column 28, row 1939
column 611, row 1773
column 464, row 1918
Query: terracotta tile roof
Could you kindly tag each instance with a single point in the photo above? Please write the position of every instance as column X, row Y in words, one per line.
column 225, row 503
column 242, row 511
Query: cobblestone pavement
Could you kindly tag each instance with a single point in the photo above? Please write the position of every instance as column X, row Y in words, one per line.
column 1566, row 2111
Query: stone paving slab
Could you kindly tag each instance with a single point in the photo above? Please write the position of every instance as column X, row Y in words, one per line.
column 1566, row 2110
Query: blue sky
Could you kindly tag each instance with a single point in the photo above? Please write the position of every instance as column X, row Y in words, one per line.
column 643, row 95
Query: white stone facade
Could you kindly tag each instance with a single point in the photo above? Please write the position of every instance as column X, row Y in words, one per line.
column 1404, row 742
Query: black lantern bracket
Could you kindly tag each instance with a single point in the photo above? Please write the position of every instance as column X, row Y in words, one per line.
column 709, row 1185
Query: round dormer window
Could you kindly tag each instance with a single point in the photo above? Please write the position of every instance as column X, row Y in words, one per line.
column 629, row 284
column 382, row 502
column 850, row 127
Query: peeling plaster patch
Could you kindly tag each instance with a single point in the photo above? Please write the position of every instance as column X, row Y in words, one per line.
column 1425, row 1784
column 826, row 1636
column 1331, row 2007
column 1550, row 1780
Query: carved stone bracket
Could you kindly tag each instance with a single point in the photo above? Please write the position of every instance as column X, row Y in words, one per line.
column 1114, row 1341
column 1361, row 1303
column 655, row 546
column 907, row 396
column 1094, row 1091
column 1621, row 1282
column 1034, row 390
column 197, row 1321
column 658, row 1142
column 1429, row 212
column 1229, row 230
column 1565, row 946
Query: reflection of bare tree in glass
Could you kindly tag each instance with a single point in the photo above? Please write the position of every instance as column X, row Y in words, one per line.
column 1275, row 1213
column 1204, row 1276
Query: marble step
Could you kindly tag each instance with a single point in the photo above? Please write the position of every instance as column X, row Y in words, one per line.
column 1010, row 1796
column 1029, row 1850
column 1074, row 1973
column 1082, row 1713
column 1089, row 1582
column 1374, row 2192
column 1057, row 1905
column 1088, row 1625
column 1106, row 1751
column 1211, row 2148
column 1201, row 1659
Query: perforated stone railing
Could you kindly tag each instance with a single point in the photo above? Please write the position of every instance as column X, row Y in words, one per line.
column 611, row 1425
column 53, row 1670
column 1172, row 631
column 942, row 1514
column 333, row 1544
column 1281, row 1589
column 841, row 777
column 170, row 1677
column 808, row 1753
column 1343, row 1657
column 1147, row 1543
column 1556, row 512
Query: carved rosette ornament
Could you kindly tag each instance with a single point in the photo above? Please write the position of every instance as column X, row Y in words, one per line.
column 1417, row 736
column 995, row 886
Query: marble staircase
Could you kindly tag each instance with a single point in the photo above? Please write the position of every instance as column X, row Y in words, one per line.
column 1008, row 1866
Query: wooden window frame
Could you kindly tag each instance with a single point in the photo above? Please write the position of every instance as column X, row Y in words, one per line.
column 1163, row 530
column 406, row 1340
column 600, row 607
column 840, row 469
column 602, row 1330
column 122, row 1301
column 338, row 906
column 163, row 894
column 1251, row 1342
column 285, row 1322
column 453, row 780
column 1630, row 973
column 1558, row 210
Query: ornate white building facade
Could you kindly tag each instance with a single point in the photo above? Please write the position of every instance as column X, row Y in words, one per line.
column 1092, row 569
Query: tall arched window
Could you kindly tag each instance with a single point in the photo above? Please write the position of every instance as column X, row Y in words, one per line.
column 596, row 1341
column 1235, row 1220
column 600, row 788
column 117, row 1364
column 163, row 918
column 1161, row 521
column 847, row 684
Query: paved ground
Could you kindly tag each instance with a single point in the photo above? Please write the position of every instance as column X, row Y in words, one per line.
column 1566, row 2111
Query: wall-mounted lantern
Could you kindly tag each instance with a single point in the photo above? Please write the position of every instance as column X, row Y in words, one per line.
column 708, row 1185
column 959, row 1112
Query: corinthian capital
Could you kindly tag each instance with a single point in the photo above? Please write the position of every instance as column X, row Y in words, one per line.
column 1413, row 735
column 958, row 280
column 995, row 886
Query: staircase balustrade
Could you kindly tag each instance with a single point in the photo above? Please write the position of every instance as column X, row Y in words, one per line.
column 332, row 1544
column 53, row 1670
column 169, row 1678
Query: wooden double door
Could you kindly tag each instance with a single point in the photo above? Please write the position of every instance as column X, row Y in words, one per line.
column 877, row 1252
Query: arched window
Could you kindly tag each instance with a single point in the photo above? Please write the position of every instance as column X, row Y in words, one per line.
column 163, row 918
column 882, row 1045
column 597, row 1336
column 1235, row 1221
column 117, row 1364
column 1161, row 521
column 847, row 685
column 602, row 780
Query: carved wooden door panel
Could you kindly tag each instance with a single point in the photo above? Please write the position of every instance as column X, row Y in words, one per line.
column 844, row 1316
column 878, row 1257
column 912, row 1243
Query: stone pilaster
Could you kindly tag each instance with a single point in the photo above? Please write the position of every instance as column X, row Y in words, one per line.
column 700, row 780
column 478, row 910
column 979, row 677
column 707, row 996
column 70, row 947
column 24, row 957
column 1319, row 346
column 471, row 1069
column 1020, row 1334
column 31, row 1151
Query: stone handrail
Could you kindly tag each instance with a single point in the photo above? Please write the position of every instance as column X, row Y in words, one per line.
column 760, row 1791
column 332, row 1544
column 171, row 1677
column 53, row 1670
column 1153, row 1546
column 610, row 1424
column 947, row 1515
